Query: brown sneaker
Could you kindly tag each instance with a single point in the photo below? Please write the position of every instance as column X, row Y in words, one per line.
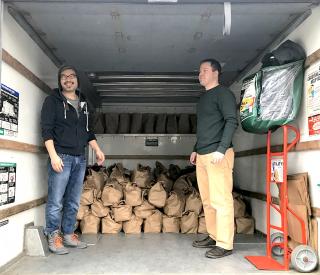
column 72, row 240
column 55, row 243
column 204, row 243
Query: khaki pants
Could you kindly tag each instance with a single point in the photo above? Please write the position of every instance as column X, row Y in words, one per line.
column 215, row 185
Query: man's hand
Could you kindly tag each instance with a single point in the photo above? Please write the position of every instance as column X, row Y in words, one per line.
column 193, row 158
column 100, row 157
column 56, row 161
column 217, row 157
column 57, row 164
column 99, row 154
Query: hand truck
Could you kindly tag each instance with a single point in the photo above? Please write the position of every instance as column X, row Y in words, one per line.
column 303, row 257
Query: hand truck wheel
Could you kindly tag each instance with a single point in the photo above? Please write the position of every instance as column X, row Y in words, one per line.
column 304, row 258
column 277, row 238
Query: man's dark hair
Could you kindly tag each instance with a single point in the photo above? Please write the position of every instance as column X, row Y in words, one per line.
column 215, row 64
column 64, row 68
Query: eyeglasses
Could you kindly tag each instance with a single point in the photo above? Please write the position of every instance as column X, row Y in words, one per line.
column 70, row 76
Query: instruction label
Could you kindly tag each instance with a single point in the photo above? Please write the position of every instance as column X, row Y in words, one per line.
column 7, row 182
column 313, row 98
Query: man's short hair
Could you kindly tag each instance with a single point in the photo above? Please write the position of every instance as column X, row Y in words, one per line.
column 215, row 64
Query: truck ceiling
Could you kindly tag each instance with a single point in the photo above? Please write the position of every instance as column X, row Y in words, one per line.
column 137, row 51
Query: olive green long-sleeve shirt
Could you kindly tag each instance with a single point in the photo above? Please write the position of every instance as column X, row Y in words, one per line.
column 216, row 120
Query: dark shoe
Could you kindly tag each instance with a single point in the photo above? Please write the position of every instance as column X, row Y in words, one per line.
column 218, row 252
column 205, row 243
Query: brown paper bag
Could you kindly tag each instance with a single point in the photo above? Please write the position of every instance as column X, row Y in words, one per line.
column 193, row 202
column 189, row 222
column 88, row 184
column 87, row 196
column 239, row 207
column 144, row 210
column 122, row 212
column 292, row 244
column 112, row 193
column 153, row 223
column 133, row 194
column 123, row 184
column 167, row 183
column 118, row 173
column 235, row 195
column 294, row 227
column 110, row 226
column 98, row 179
column 174, row 204
column 99, row 210
column 170, row 224
column 142, row 176
column 157, row 195
column 174, row 172
column 90, row 224
column 245, row 225
column 82, row 211
column 303, row 189
column 183, row 184
column 133, row 226
column 202, row 228
column 299, row 202
column 160, row 169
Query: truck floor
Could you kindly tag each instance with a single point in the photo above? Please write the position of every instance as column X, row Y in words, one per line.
column 145, row 254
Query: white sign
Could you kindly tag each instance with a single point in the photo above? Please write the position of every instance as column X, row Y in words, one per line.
column 313, row 98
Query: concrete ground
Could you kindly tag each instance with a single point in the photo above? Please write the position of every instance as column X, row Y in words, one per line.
column 145, row 254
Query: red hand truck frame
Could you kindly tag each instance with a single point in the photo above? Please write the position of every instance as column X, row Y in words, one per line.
column 267, row 262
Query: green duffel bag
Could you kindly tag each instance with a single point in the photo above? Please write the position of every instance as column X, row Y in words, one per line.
column 271, row 97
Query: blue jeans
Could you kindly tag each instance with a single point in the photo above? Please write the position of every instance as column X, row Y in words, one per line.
column 64, row 192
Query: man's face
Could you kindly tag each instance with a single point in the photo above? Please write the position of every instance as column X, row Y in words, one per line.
column 207, row 75
column 68, row 80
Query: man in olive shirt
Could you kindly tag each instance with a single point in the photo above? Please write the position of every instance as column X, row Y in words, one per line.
column 213, row 155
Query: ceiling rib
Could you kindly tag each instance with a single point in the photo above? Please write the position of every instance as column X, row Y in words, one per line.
column 149, row 86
